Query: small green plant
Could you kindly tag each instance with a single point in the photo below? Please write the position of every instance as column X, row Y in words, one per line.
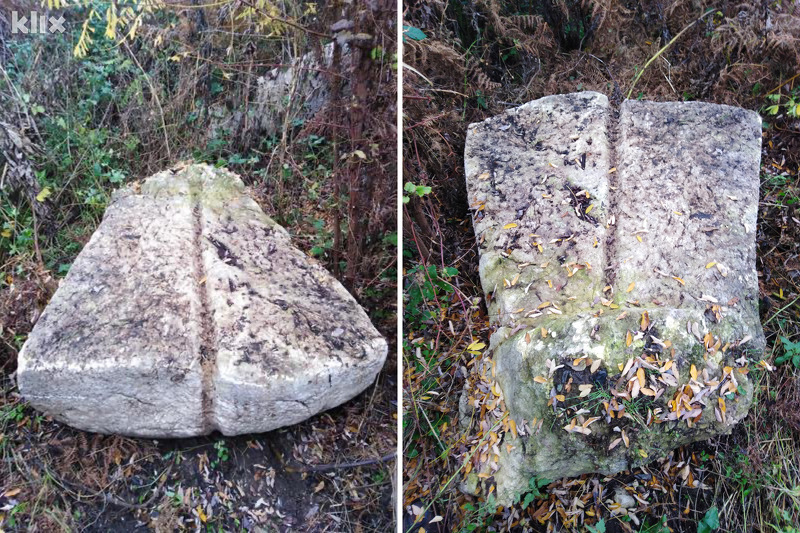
column 710, row 521
column 411, row 189
column 599, row 527
column 534, row 484
column 791, row 352
column 476, row 517
column 223, row 454
column 425, row 287
column 12, row 413
column 791, row 104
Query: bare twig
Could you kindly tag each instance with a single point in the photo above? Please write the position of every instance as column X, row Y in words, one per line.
column 663, row 48
column 340, row 466
column 155, row 95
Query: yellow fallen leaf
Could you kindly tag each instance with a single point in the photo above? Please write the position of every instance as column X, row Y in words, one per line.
column 560, row 397
column 483, row 176
column 543, row 305
column 693, row 372
column 540, row 379
column 639, row 238
column 628, row 338
column 711, row 264
column 645, row 321
column 510, row 225
column 6, row 233
column 202, row 515
column 679, row 280
column 42, row 196
column 640, row 376
column 477, row 345
column 589, row 209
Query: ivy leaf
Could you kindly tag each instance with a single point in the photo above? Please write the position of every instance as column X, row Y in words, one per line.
column 710, row 521
column 411, row 32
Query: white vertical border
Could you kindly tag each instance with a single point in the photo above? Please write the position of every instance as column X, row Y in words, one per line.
column 399, row 457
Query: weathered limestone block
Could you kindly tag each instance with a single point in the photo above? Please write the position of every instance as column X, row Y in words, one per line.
column 189, row 311
column 305, row 84
column 618, row 256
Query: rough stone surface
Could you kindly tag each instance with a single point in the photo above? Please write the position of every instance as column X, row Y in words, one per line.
column 189, row 311
column 621, row 245
column 305, row 81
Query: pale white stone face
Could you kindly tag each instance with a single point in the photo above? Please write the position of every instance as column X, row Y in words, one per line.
column 606, row 236
column 190, row 311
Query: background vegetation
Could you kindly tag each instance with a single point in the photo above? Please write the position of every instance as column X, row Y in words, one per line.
column 467, row 60
column 133, row 88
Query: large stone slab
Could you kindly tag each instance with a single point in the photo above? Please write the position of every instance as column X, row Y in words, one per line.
column 618, row 259
column 190, row 311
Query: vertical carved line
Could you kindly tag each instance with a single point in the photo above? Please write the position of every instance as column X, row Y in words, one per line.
column 208, row 352
column 610, row 249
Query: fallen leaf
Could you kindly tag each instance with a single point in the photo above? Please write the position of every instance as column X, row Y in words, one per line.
column 510, row 225
column 631, row 286
column 42, row 196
